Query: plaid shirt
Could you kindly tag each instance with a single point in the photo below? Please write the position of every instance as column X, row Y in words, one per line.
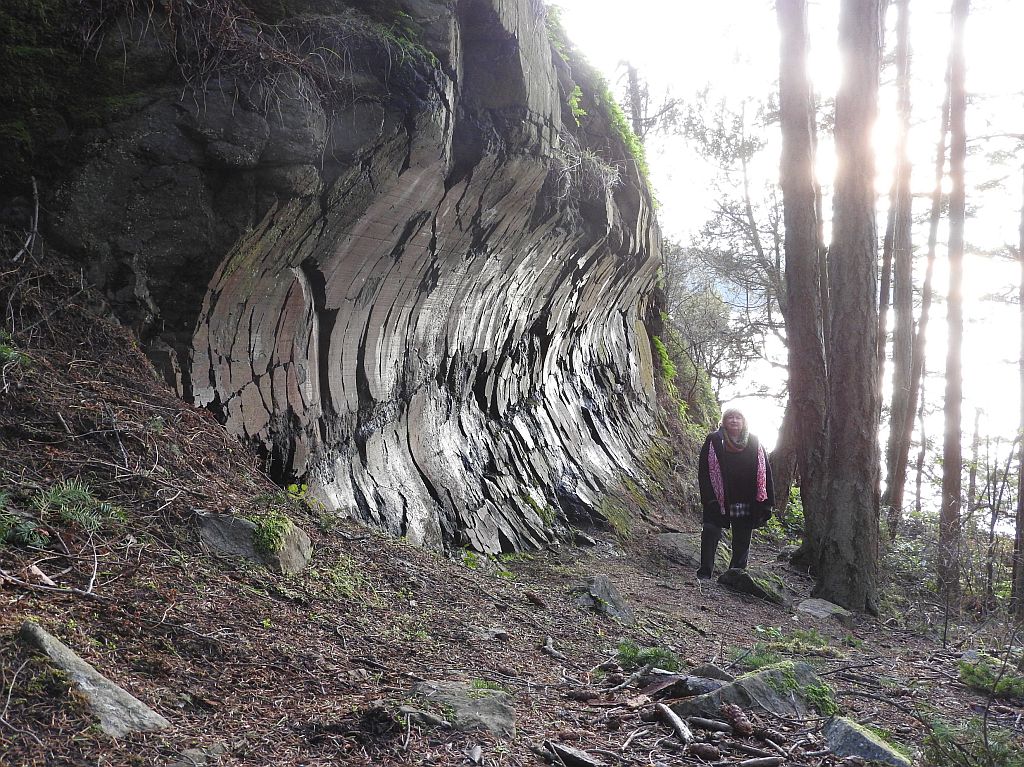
column 739, row 510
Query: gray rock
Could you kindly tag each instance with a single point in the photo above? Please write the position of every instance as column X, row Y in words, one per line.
column 119, row 712
column 711, row 671
column 492, row 634
column 580, row 538
column 758, row 584
column 824, row 610
column 235, row 537
column 472, row 708
column 786, row 552
column 847, row 738
column 786, row 689
column 684, row 549
column 599, row 593
column 199, row 757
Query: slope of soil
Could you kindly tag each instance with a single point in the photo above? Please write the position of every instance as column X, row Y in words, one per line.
column 314, row 669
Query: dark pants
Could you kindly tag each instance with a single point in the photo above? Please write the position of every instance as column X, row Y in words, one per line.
column 709, row 539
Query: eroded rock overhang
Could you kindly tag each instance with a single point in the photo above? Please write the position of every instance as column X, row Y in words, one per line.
column 422, row 312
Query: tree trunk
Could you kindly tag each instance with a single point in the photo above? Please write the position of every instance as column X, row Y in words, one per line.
column 921, row 454
column 997, row 507
column 636, row 106
column 972, row 467
column 898, row 476
column 903, row 265
column 783, row 458
column 800, row 194
column 847, row 572
column 952, row 449
column 1017, row 586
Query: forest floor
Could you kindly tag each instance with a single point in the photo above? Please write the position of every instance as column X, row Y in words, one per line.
column 315, row 668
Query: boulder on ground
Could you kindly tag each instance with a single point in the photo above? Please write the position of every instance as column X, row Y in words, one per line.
column 847, row 738
column 233, row 536
column 785, row 689
column 823, row 610
column 756, row 583
column 711, row 671
column 473, row 708
column 119, row 712
column 599, row 593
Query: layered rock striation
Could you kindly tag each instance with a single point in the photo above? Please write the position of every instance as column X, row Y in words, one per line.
column 411, row 263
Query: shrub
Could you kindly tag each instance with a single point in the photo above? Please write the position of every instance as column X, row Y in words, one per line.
column 73, row 503
column 271, row 528
column 632, row 656
column 16, row 529
column 992, row 676
column 970, row 743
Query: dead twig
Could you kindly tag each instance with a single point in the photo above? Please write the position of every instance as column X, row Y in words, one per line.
column 683, row 732
column 6, row 577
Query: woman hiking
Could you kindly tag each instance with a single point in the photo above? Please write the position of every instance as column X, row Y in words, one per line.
column 736, row 490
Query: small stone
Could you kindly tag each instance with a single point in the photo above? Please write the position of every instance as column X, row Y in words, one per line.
column 757, row 584
column 599, row 593
column 711, row 671
column 824, row 610
column 473, row 708
column 848, row 739
column 233, row 536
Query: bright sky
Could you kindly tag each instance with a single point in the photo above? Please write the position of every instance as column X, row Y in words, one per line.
column 732, row 45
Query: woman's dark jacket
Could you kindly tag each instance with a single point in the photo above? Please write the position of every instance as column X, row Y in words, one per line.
column 739, row 479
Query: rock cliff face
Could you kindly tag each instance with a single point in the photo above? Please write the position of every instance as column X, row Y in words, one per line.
column 414, row 272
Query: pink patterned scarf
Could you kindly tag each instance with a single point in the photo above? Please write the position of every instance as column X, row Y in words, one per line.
column 718, row 484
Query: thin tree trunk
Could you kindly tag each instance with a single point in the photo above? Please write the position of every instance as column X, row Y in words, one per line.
column 972, row 467
column 885, row 282
column 1017, row 585
column 921, row 454
column 898, row 477
column 783, row 458
column 800, row 194
column 952, row 449
column 903, row 264
column 635, row 102
column 997, row 507
column 847, row 571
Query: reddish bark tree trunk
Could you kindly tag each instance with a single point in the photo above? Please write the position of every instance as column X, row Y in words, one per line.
column 807, row 374
column 952, row 449
column 847, row 571
column 903, row 265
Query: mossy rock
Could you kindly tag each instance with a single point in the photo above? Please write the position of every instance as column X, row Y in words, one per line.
column 756, row 583
column 280, row 544
column 847, row 738
column 785, row 689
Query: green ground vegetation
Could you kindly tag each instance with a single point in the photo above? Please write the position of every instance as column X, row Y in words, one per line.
column 993, row 676
column 970, row 742
column 73, row 502
column 632, row 656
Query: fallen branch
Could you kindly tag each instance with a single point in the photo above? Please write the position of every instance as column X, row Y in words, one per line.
column 30, row 239
column 743, row 748
column 636, row 676
column 712, row 725
column 684, row 733
column 636, row 733
column 6, row 577
column 549, row 648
